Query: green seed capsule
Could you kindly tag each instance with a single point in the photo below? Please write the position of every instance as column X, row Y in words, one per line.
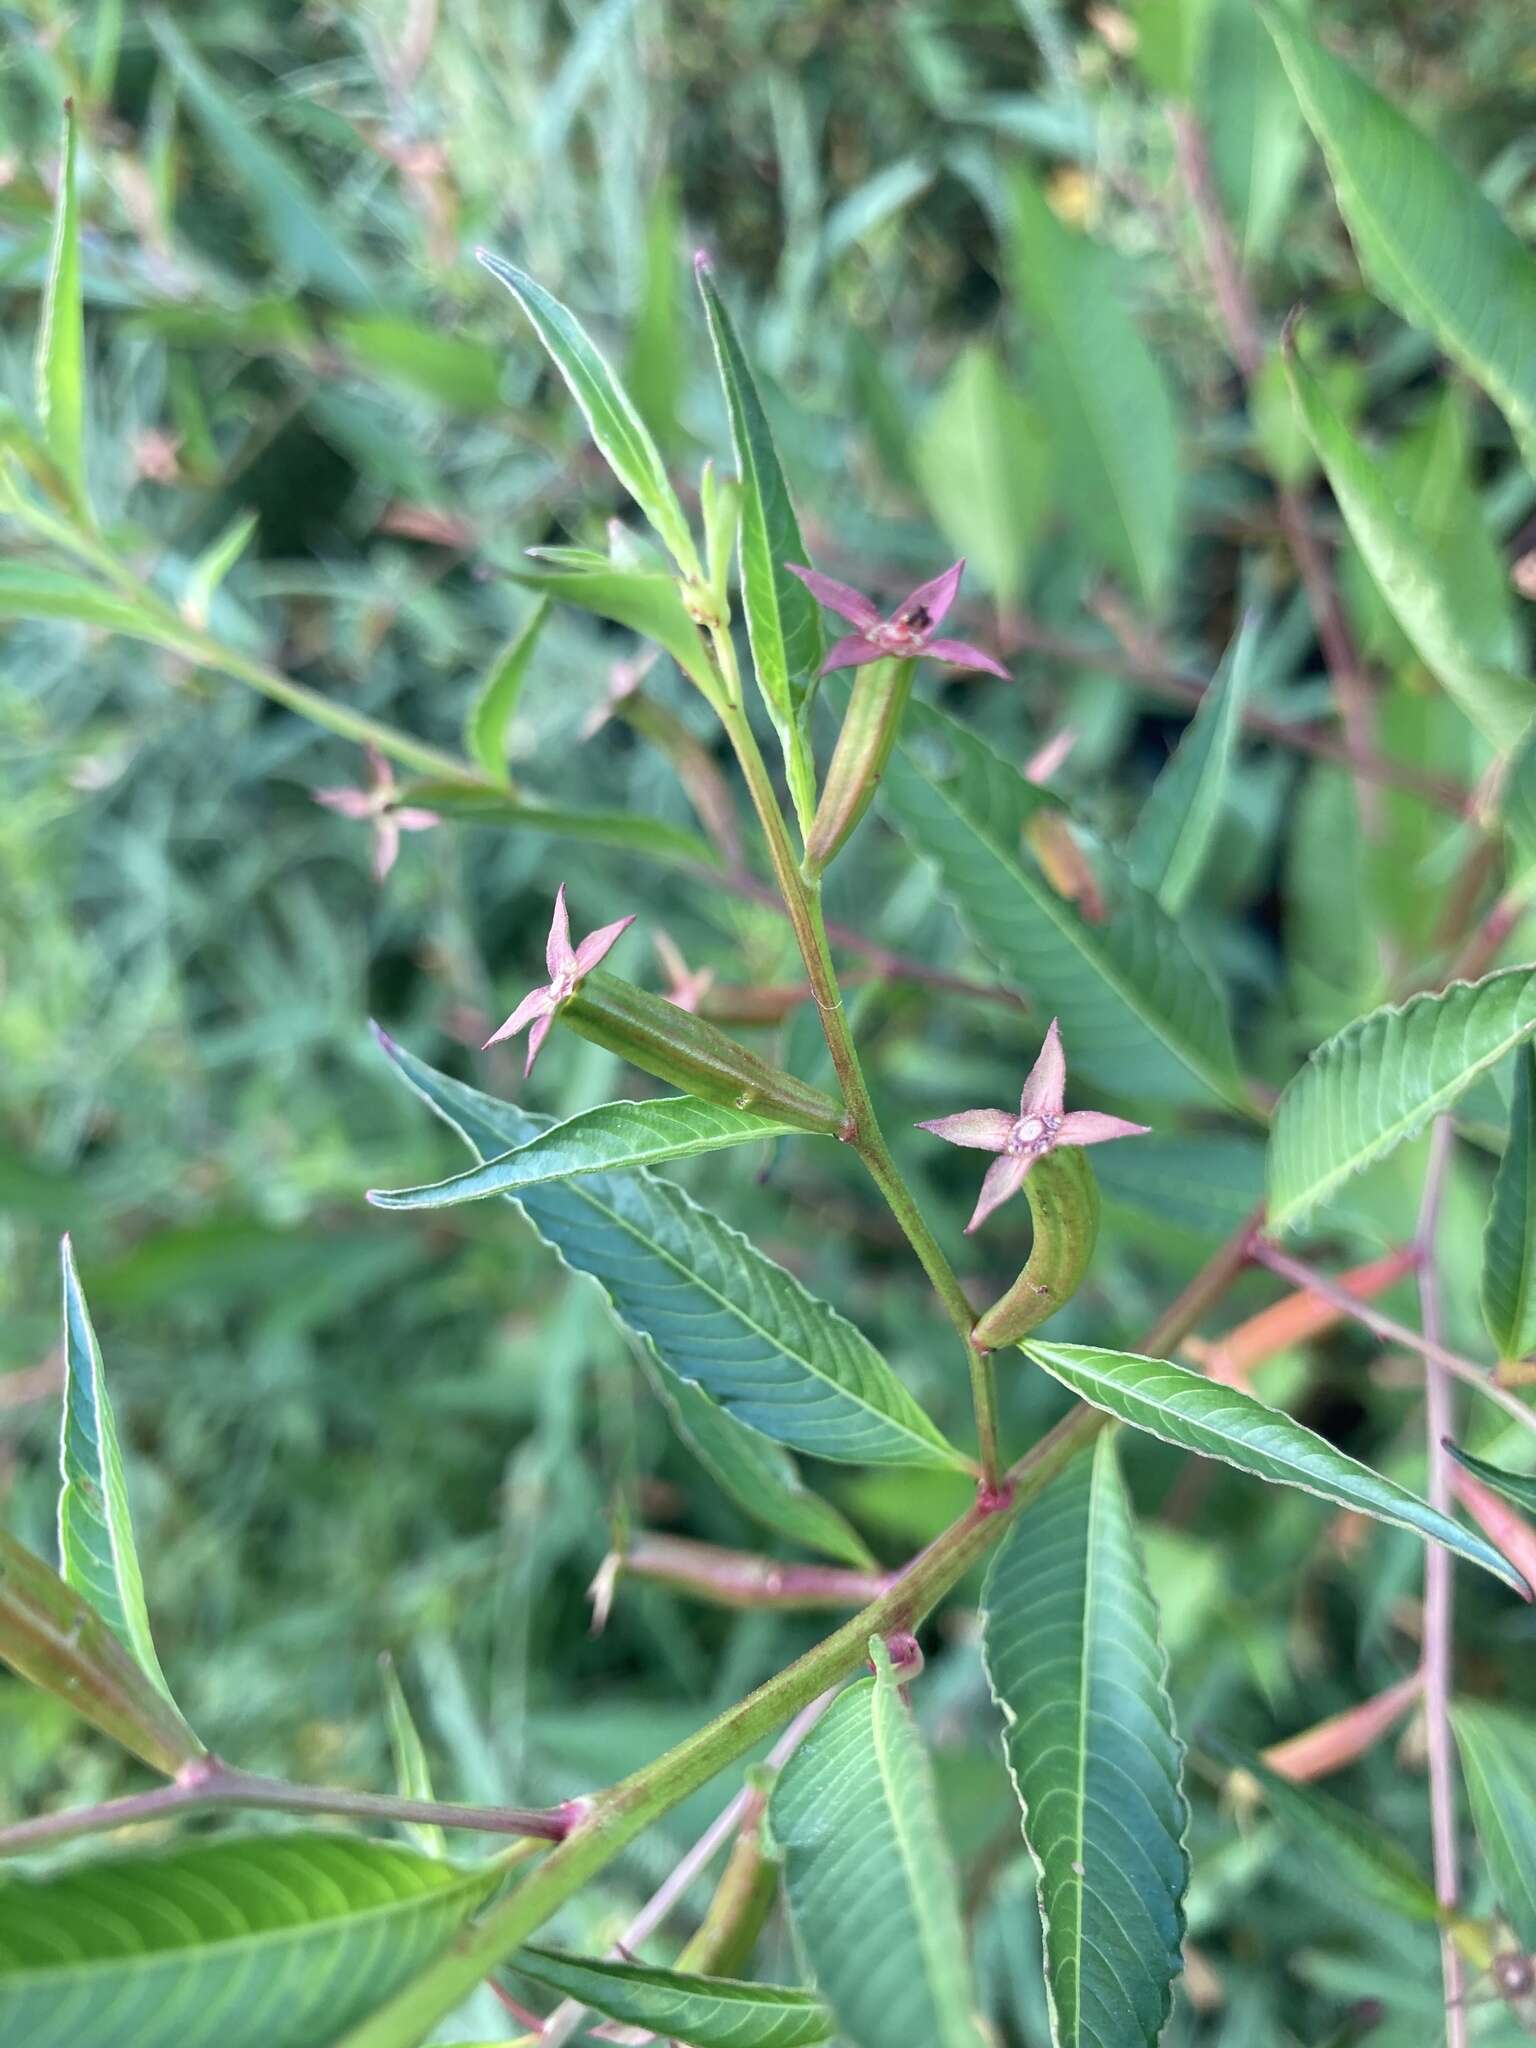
column 1063, row 1198
column 677, row 1047
column 873, row 718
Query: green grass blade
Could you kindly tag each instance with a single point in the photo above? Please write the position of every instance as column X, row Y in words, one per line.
column 59, row 364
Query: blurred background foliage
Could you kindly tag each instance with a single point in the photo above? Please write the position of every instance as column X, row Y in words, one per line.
column 352, row 1433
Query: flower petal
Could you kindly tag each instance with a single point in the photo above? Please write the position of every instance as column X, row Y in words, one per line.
column 596, row 944
column 852, row 652
column 351, row 803
column 1046, row 1088
column 935, row 596
column 961, row 654
column 1093, row 1127
column 558, row 957
column 386, row 845
column 410, row 819
column 1005, row 1177
column 380, row 773
column 841, row 598
column 982, row 1130
column 537, row 1003
column 536, row 1038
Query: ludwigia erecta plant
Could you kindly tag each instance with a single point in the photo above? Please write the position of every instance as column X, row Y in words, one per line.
column 303, row 1940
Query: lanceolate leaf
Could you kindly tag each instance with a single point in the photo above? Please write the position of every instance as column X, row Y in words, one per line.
column 616, row 1135
column 60, row 363
column 783, row 618
column 1518, row 1487
column 1183, row 1407
column 412, row 1773
column 1106, row 402
column 1509, row 1247
column 1139, row 1013
column 872, row 1891
column 1429, row 241
column 1069, row 1631
column 1498, row 1758
column 653, row 837
column 704, row 2012
column 1177, row 827
column 53, row 1637
column 31, row 592
column 490, row 714
column 622, row 437
column 281, row 1941
column 982, row 456
column 1381, row 1079
column 1408, row 571
column 643, row 599
column 96, row 1549
column 715, row 1308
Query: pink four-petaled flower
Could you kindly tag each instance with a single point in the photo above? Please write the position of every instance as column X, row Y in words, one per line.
column 377, row 804
column 567, row 964
column 906, row 634
column 1041, row 1125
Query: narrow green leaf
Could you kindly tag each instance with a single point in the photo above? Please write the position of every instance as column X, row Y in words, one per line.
column 1409, row 572
column 96, row 1548
column 213, row 565
column 1518, row 1487
column 450, row 369
column 621, row 436
column 1174, row 835
column 279, row 1941
column 1258, row 141
column 653, row 837
column 60, row 359
column 1182, row 1406
column 658, row 358
column 495, row 701
column 783, row 619
column 28, row 591
column 52, row 1636
column 1509, row 1245
column 872, row 1890
column 608, row 1139
column 1171, row 36
column 1139, row 1012
column 413, row 1775
column 1343, row 1843
column 1498, row 1758
column 982, row 455
column 717, row 1310
column 294, row 219
column 1518, row 802
column 1106, row 401
column 1429, row 241
column 645, row 600
column 704, row 2012
column 1070, row 1637
column 1381, row 1079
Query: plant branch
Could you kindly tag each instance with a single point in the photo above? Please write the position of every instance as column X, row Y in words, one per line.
column 740, row 1578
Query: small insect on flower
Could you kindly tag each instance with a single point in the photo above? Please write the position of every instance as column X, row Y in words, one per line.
column 906, row 634
column 1041, row 1125
column 377, row 804
column 567, row 965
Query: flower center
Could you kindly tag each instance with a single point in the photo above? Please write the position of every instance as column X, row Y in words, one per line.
column 1033, row 1134
column 563, row 987
column 907, row 633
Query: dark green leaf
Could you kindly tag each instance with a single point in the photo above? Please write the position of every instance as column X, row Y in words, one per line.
column 1518, row 1487
column 1498, row 1756
column 704, row 2012
column 1509, row 1247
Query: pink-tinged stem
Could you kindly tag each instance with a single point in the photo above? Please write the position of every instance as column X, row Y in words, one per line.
column 1342, row 1738
column 1440, row 1587
column 739, row 1578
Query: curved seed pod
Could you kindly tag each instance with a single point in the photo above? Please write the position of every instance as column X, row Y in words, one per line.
column 676, row 1046
column 1063, row 1197
column 870, row 725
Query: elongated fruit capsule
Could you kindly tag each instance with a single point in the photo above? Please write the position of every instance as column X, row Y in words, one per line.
column 1063, row 1198
column 873, row 718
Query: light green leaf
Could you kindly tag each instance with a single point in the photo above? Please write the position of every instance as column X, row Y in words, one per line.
column 1070, row 1637
column 717, row 1310
column 1172, row 841
column 608, row 1139
column 280, row 1941
column 31, row 592
column 982, row 456
column 1518, row 1487
column 1498, row 1758
column 413, row 1775
column 1139, row 1012
column 54, row 1638
column 646, row 601
column 1381, row 1079
column 1509, row 1246
column 1182, row 1406
column 653, row 837
column 1253, row 126
column 783, row 619
column 1408, row 571
column 658, row 358
column 1171, row 37
column 872, row 1890
column 704, row 2012
column 1105, row 399
column 1518, row 803
column 621, row 436
column 96, row 1549
column 495, row 701
column 60, row 359
column 455, row 372
column 212, row 566
column 294, row 219
column 1429, row 241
